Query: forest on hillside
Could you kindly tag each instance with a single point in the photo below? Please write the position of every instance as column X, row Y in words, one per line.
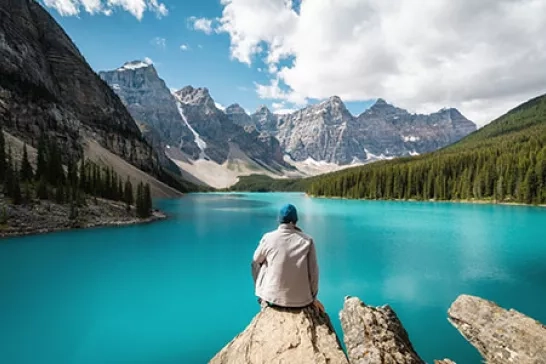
column 70, row 184
column 505, row 162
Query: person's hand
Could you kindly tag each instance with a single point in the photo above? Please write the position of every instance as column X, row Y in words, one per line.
column 319, row 306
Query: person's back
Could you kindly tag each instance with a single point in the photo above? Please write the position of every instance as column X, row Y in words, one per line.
column 285, row 268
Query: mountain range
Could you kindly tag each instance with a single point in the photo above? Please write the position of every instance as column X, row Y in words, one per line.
column 215, row 147
column 47, row 89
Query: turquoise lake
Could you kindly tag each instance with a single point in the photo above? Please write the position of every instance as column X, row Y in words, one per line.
column 178, row 290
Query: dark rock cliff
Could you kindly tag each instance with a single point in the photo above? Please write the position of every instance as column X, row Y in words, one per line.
column 46, row 86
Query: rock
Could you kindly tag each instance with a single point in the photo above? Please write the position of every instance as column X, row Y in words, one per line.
column 238, row 115
column 303, row 336
column 328, row 132
column 217, row 131
column 150, row 102
column 444, row 361
column 46, row 85
column 501, row 336
column 375, row 335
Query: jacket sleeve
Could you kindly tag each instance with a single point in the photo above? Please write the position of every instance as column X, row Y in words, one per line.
column 258, row 259
column 313, row 269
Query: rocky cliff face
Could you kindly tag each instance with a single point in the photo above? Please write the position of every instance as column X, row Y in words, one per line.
column 216, row 132
column 238, row 115
column 188, row 123
column 328, row 132
column 47, row 86
column 375, row 335
column 151, row 103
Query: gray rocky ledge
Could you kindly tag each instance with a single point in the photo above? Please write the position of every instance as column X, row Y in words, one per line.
column 303, row 336
column 501, row 336
column 375, row 335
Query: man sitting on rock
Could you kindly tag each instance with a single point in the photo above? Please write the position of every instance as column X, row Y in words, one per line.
column 284, row 267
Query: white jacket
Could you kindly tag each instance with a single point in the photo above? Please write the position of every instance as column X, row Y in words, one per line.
column 285, row 268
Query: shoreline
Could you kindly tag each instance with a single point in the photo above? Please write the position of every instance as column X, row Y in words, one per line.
column 156, row 216
column 471, row 202
column 47, row 217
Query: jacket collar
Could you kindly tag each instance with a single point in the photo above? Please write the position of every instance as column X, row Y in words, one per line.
column 287, row 227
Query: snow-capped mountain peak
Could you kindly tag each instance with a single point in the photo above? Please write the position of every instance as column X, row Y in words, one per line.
column 133, row 65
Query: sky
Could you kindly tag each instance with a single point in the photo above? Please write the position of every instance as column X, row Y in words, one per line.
column 482, row 57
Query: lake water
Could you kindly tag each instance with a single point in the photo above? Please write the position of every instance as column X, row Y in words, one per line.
column 177, row 291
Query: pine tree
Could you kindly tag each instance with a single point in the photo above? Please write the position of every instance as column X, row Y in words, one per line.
column 55, row 171
column 4, row 216
column 16, row 196
column 140, row 208
column 12, row 181
column 41, row 159
column 500, row 189
column 83, row 175
column 128, row 194
column 8, row 178
column 2, row 156
column 41, row 189
column 529, row 186
column 28, row 192
column 27, row 174
column 121, row 196
column 72, row 174
column 59, row 194
column 147, row 200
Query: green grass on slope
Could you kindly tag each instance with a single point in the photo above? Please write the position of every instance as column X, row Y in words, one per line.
column 261, row 183
column 504, row 161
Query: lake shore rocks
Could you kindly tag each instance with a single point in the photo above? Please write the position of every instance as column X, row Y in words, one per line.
column 303, row 336
column 375, row 335
column 501, row 336
column 41, row 217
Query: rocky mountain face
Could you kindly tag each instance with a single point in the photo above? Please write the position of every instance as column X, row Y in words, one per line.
column 151, row 104
column 46, row 86
column 328, row 132
column 189, row 121
column 238, row 115
column 217, row 133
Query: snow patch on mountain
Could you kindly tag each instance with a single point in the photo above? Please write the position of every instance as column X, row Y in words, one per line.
column 411, row 138
column 374, row 157
column 134, row 65
column 198, row 140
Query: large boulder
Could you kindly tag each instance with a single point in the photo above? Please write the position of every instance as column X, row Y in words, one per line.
column 375, row 335
column 501, row 336
column 275, row 335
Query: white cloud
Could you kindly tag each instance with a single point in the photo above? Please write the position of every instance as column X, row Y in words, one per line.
column 201, row 24
column 159, row 9
column 280, row 108
column 275, row 92
column 159, row 42
column 482, row 57
column 273, row 68
column 220, row 106
column 106, row 7
column 184, row 47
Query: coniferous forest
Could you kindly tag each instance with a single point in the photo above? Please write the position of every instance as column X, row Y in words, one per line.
column 72, row 183
column 504, row 161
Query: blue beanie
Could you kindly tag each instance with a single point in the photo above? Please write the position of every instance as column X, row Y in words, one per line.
column 288, row 214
